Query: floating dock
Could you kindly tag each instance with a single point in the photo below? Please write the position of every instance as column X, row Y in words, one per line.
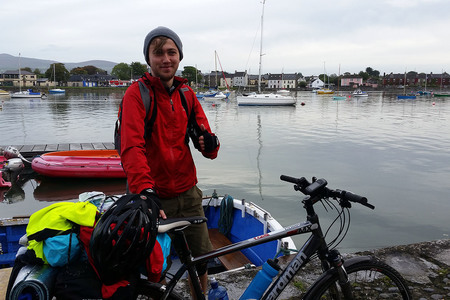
column 29, row 151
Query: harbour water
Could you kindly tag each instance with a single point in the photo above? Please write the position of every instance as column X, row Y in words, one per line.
column 394, row 152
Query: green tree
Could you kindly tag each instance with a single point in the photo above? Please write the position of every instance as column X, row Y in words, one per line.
column 137, row 69
column 122, row 71
column 373, row 73
column 192, row 75
column 364, row 75
column 38, row 73
column 61, row 73
column 92, row 70
column 324, row 78
column 87, row 70
column 78, row 71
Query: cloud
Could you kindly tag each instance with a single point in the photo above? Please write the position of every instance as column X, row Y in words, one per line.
column 298, row 35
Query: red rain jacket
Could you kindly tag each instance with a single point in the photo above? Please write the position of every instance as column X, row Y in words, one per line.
column 164, row 162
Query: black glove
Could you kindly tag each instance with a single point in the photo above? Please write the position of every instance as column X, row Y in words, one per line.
column 151, row 196
column 211, row 141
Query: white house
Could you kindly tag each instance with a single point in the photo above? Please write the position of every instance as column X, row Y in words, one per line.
column 240, row 79
column 316, row 83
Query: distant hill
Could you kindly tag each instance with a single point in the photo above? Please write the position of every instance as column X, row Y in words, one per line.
column 10, row 62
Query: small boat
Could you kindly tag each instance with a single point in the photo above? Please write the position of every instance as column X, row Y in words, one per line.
column 221, row 95
column 324, row 92
column 261, row 99
column 11, row 230
column 359, row 93
column 248, row 221
column 27, row 94
column 79, row 164
column 271, row 99
column 424, row 93
column 339, row 97
column 406, row 97
column 441, row 95
column 4, row 93
column 57, row 91
column 210, row 93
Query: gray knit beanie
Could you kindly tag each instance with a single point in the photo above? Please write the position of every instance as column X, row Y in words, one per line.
column 162, row 31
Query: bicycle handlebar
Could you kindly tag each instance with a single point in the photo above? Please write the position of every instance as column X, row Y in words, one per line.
column 318, row 188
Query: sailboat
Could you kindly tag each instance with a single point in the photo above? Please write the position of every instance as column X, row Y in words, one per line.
column 25, row 94
column 226, row 93
column 55, row 90
column 262, row 99
column 338, row 96
column 325, row 91
column 404, row 96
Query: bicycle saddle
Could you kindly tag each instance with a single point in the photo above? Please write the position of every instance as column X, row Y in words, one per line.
column 176, row 224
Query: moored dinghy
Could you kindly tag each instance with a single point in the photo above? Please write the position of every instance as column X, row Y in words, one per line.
column 80, row 164
column 248, row 220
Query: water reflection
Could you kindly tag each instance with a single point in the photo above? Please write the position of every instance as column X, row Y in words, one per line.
column 12, row 195
column 258, row 156
column 60, row 189
column 394, row 152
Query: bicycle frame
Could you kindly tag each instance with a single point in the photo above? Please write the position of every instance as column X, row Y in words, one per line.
column 315, row 244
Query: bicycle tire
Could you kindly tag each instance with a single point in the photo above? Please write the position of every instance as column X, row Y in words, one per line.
column 370, row 279
column 146, row 290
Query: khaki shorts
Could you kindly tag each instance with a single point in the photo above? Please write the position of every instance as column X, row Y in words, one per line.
column 189, row 204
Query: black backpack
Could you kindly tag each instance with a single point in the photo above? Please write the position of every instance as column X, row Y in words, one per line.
column 192, row 130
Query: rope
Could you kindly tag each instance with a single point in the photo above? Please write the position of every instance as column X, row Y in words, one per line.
column 226, row 215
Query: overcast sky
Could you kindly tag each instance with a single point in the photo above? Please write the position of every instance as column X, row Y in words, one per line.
column 299, row 35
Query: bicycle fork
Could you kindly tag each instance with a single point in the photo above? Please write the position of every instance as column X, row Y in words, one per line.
column 336, row 261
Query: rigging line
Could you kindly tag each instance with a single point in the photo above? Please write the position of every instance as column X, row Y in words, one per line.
column 223, row 74
column 253, row 45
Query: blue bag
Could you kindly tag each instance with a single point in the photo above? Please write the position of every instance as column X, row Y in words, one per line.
column 57, row 248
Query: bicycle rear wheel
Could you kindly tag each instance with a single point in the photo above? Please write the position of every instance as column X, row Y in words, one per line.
column 146, row 290
column 369, row 279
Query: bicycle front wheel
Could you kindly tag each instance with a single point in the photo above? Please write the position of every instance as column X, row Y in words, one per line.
column 369, row 279
column 146, row 290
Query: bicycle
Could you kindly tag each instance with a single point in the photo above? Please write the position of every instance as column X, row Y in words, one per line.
column 363, row 277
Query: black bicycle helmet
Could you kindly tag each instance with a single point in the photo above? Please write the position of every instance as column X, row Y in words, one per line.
column 123, row 237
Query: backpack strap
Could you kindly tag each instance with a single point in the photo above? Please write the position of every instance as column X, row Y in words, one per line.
column 147, row 100
column 192, row 130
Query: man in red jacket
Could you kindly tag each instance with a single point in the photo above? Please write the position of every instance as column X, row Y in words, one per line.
column 160, row 165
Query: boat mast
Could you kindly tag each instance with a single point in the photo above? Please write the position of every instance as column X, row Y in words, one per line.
column 404, row 84
column 54, row 74
column 260, row 48
column 20, row 80
column 215, row 65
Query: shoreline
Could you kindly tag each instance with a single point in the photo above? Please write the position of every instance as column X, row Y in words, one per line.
column 425, row 266
column 385, row 89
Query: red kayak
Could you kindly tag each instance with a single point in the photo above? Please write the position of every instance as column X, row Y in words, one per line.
column 80, row 164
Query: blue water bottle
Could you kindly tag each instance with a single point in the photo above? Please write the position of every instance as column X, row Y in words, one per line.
column 217, row 292
column 262, row 280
